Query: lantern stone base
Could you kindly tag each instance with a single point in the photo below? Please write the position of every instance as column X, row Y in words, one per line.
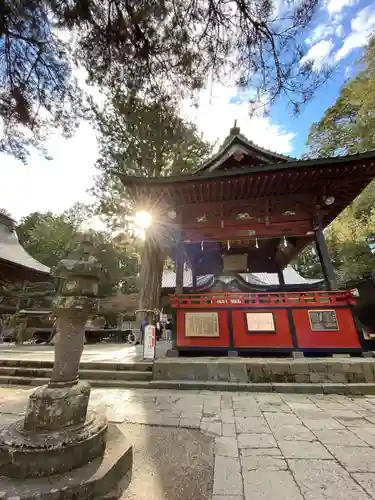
column 25, row 454
column 91, row 481
column 56, row 435
column 52, row 407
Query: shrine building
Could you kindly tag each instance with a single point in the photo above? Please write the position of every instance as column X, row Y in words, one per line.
column 246, row 212
column 16, row 265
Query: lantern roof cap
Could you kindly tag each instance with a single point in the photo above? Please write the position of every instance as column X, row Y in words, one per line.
column 80, row 262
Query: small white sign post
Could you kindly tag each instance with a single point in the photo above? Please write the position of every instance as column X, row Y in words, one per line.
column 149, row 342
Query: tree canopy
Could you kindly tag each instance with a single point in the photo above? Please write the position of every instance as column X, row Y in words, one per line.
column 49, row 238
column 38, row 93
column 153, row 48
column 348, row 127
column 144, row 138
column 141, row 138
column 145, row 44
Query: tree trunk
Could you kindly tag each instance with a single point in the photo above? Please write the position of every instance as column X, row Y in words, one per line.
column 152, row 262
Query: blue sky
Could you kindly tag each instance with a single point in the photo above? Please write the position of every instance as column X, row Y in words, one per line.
column 337, row 36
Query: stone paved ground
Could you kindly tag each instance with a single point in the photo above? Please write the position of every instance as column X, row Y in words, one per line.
column 102, row 352
column 272, row 446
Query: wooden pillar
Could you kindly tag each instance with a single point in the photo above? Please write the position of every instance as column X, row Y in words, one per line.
column 280, row 275
column 179, row 264
column 325, row 260
column 194, row 276
column 180, row 261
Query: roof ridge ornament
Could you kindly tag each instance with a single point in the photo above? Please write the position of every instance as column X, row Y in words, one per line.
column 235, row 130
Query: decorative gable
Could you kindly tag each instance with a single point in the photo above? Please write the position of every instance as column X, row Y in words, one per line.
column 237, row 152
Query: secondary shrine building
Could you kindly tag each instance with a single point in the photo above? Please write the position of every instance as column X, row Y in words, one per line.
column 249, row 210
column 17, row 265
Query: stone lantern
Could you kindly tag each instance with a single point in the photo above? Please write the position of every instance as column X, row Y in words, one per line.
column 58, row 434
column 79, row 276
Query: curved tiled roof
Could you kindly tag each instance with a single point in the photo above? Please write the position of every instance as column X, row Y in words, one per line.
column 292, row 164
column 12, row 252
column 291, row 277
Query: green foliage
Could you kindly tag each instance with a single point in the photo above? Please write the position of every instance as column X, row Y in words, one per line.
column 143, row 139
column 118, row 261
column 154, row 48
column 307, row 263
column 49, row 238
column 349, row 252
column 347, row 240
column 38, row 93
column 348, row 127
column 176, row 44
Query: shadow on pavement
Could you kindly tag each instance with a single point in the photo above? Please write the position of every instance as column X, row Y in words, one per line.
column 169, row 463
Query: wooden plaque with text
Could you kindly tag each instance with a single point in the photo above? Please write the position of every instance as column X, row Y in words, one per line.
column 235, row 263
column 260, row 322
column 202, row 324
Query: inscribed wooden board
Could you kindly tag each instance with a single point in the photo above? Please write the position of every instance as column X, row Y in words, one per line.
column 235, row 263
column 260, row 322
column 324, row 320
column 202, row 324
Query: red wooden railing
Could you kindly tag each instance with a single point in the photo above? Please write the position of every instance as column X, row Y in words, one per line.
column 275, row 299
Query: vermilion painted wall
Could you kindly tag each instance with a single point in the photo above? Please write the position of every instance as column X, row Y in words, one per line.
column 282, row 337
column 222, row 341
column 346, row 336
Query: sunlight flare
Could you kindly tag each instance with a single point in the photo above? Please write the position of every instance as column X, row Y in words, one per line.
column 143, row 219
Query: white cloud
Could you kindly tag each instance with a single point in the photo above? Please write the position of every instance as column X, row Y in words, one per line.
column 321, row 32
column 362, row 27
column 334, row 6
column 318, row 54
column 216, row 114
column 325, row 30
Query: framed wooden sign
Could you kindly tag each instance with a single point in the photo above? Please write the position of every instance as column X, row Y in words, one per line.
column 235, row 263
column 260, row 322
column 323, row 320
column 202, row 324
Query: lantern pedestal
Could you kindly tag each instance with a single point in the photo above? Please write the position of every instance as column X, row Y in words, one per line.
column 109, row 473
column 58, row 435
column 54, row 408
column 41, row 453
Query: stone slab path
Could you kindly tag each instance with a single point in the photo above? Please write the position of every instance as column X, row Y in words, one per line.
column 271, row 446
column 100, row 353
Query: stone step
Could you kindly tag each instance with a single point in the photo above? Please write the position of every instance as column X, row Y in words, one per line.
column 37, row 381
column 83, row 373
column 88, row 365
column 325, row 388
